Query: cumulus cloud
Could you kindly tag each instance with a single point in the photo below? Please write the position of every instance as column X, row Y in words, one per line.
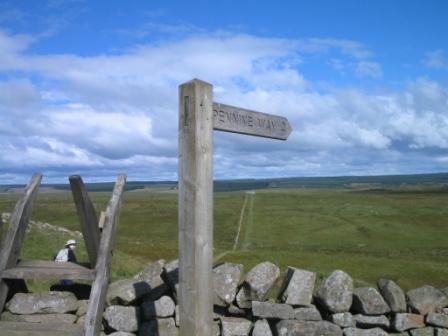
column 97, row 115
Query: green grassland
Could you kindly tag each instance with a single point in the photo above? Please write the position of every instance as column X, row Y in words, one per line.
column 398, row 233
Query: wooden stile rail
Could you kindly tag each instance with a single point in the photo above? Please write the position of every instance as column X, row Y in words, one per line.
column 99, row 247
column 97, row 297
column 9, row 253
column 87, row 217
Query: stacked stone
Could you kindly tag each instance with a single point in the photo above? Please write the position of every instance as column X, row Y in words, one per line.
column 48, row 307
column 258, row 303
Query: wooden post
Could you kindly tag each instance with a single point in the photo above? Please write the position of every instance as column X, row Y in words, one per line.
column 87, row 217
column 98, row 292
column 195, row 208
column 10, row 251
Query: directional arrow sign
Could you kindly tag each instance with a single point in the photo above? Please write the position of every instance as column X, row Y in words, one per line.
column 238, row 120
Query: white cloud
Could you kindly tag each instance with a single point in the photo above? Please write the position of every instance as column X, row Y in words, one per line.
column 109, row 113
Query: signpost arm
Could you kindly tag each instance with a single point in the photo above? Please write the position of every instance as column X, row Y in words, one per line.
column 195, row 208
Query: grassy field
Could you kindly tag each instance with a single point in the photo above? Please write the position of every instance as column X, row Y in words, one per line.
column 400, row 234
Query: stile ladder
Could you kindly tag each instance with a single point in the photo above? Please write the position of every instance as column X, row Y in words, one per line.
column 99, row 247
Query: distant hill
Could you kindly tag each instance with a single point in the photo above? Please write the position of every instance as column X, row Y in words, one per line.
column 352, row 182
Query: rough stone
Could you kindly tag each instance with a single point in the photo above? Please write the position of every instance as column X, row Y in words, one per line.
column 152, row 275
column 427, row 331
column 122, row 318
column 272, row 310
column 364, row 332
column 127, row 291
column 121, row 333
column 40, row 303
column 426, row 299
column 335, row 292
column 38, row 318
column 365, row 321
column 437, row 320
column 393, row 295
column 260, row 279
column 445, row 291
column 159, row 327
column 235, row 326
column 171, row 276
column 307, row 328
column 307, row 314
column 440, row 332
column 226, row 278
column 242, row 299
column 216, row 330
column 163, row 307
column 82, row 307
column 82, row 320
column 262, row 328
column 299, row 286
column 404, row 321
column 344, row 320
column 368, row 301
column 235, row 311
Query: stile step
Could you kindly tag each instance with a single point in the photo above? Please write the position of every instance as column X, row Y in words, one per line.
column 37, row 269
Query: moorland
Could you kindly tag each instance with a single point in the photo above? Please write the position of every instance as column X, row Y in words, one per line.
column 393, row 227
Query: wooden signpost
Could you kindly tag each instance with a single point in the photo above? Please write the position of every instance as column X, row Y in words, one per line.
column 198, row 117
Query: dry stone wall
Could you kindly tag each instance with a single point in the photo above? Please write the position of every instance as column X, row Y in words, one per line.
column 147, row 305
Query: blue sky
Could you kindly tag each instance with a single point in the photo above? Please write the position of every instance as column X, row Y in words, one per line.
column 91, row 87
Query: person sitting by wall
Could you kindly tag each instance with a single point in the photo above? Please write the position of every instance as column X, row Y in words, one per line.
column 67, row 254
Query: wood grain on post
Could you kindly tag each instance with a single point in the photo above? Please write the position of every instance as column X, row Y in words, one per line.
column 12, row 243
column 98, row 292
column 195, row 208
column 87, row 217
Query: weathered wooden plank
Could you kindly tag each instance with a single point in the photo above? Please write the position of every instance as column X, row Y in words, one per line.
column 39, row 329
column 48, row 270
column 13, row 239
column 52, row 264
column 87, row 217
column 99, row 287
column 234, row 119
column 195, row 208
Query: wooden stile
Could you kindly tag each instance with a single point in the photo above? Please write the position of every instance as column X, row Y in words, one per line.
column 37, row 269
column 87, row 217
column 100, row 251
column 98, row 292
column 12, row 243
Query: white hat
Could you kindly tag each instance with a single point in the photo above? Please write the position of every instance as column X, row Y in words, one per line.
column 70, row 242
